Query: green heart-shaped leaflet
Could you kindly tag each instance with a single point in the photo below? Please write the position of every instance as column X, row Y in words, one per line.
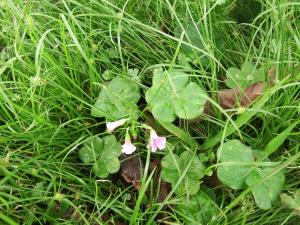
column 173, row 167
column 238, row 169
column 268, row 190
column 117, row 100
column 198, row 209
column 245, row 76
column 172, row 95
column 103, row 153
column 233, row 170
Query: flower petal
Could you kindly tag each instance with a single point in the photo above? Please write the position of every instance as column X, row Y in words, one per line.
column 111, row 126
column 161, row 143
column 156, row 142
column 128, row 148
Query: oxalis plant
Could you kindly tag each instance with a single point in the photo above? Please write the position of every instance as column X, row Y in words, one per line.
column 117, row 103
column 172, row 95
column 241, row 167
column 175, row 94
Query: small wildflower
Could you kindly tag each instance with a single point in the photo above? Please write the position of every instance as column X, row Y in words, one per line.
column 241, row 110
column 156, row 142
column 128, row 147
column 16, row 98
column 37, row 81
column 77, row 196
column 119, row 15
column 58, row 196
column 34, row 172
column 29, row 20
column 111, row 126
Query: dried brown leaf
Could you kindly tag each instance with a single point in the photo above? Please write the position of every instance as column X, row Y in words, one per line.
column 252, row 93
column 228, row 97
column 132, row 170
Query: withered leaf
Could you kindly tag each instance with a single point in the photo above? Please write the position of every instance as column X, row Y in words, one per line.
column 228, row 97
column 235, row 97
column 132, row 170
column 231, row 98
column 252, row 93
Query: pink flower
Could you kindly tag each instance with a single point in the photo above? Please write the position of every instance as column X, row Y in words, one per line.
column 128, row 147
column 156, row 142
column 111, row 126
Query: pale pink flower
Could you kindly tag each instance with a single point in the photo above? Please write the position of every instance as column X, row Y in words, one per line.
column 128, row 148
column 111, row 126
column 156, row 142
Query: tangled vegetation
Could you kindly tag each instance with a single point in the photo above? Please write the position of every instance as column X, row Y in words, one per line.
column 149, row 112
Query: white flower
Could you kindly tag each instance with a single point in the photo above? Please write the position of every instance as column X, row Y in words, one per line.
column 111, row 126
column 128, row 147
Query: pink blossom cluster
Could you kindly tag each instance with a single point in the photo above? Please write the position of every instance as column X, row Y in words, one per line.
column 155, row 141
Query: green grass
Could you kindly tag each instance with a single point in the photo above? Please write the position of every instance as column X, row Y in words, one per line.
column 70, row 43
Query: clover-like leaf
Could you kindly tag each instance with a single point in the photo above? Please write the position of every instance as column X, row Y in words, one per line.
column 235, row 159
column 99, row 169
column 103, row 153
column 239, row 170
column 245, row 76
column 134, row 75
column 108, row 161
column 117, row 99
column 198, row 209
column 90, row 150
column 173, row 167
column 268, row 189
column 172, row 95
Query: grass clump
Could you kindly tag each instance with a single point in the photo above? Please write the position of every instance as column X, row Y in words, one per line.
column 59, row 57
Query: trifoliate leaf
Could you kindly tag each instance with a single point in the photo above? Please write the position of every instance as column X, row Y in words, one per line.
column 103, row 153
column 133, row 72
column 235, row 159
column 90, row 150
column 173, row 167
column 267, row 190
column 238, row 169
column 117, row 100
column 245, row 76
column 99, row 168
column 111, row 146
column 198, row 209
column 172, row 95
column 184, row 106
